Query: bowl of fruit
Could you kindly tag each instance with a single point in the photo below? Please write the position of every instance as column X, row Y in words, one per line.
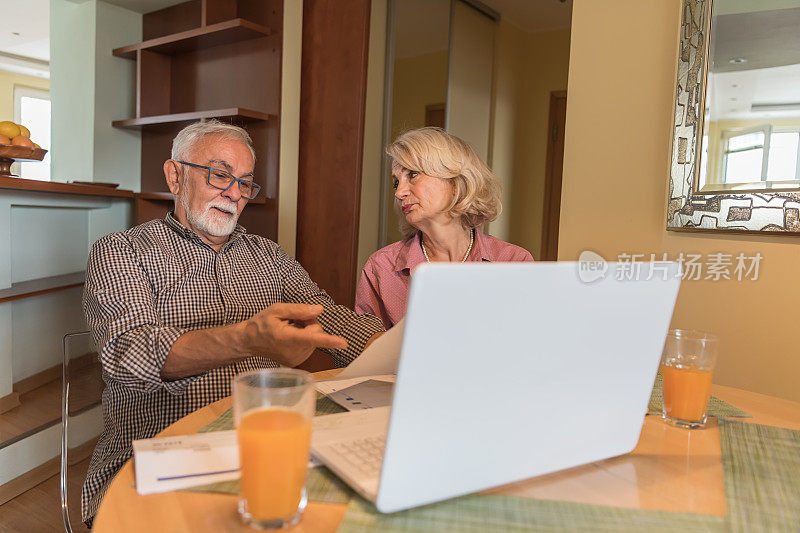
column 16, row 145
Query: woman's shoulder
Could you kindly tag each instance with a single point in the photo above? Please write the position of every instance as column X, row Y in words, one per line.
column 386, row 257
column 499, row 250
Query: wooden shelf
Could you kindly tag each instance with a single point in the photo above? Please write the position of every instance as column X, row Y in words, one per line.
column 230, row 31
column 165, row 196
column 236, row 113
column 70, row 188
column 41, row 407
column 26, row 289
column 168, row 197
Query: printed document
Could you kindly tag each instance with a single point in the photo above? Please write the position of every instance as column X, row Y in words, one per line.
column 170, row 463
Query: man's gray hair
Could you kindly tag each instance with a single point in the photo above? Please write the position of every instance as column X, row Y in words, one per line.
column 188, row 136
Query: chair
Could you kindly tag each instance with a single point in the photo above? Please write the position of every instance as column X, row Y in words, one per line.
column 75, row 344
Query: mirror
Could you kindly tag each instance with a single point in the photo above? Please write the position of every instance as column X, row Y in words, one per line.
column 736, row 164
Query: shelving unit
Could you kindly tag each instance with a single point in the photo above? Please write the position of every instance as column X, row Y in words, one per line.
column 231, row 31
column 235, row 114
column 205, row 59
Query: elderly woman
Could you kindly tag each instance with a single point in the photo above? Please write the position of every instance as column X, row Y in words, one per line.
column 443, row 193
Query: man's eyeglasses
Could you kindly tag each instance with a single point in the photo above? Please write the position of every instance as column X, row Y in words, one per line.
column 221, row 179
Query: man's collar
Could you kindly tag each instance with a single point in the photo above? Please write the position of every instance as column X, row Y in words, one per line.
column 187, row 233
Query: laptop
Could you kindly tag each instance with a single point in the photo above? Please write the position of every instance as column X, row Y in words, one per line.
column 506, row 371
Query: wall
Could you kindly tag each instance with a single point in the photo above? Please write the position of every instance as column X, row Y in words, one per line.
column 469, row 81
column 528, row 67
column 89, row 89
column 418, row 81
column 117, row 151
column 72, row 74
column 615, row 187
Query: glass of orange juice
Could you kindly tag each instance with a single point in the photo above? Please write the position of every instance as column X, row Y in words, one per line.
column 273, row 410
column 687, row 367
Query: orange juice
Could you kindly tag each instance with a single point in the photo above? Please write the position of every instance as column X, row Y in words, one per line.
column 686, row 391
column 273, row 449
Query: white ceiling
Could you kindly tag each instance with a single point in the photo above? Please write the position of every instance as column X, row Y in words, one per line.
column 769, row 44
column 25, row 29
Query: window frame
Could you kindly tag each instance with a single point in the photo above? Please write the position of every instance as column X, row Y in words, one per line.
column 727, row 135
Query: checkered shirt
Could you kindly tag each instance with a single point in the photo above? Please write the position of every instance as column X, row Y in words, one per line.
column 147, row 286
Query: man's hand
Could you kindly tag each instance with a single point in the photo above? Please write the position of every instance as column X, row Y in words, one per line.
column 288, row 333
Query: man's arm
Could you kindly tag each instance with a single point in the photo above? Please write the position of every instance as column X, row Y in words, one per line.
column 358, row 330
column 287, row 333
column 139, row 351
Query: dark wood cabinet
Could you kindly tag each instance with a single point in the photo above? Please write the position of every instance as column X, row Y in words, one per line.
column 207, row 59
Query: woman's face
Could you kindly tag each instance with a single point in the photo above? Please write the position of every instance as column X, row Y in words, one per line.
column 421, row 198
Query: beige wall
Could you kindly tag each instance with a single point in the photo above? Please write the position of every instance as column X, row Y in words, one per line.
column 418, row 81
column 7, row 82
column 528, row 67
column 615, row 187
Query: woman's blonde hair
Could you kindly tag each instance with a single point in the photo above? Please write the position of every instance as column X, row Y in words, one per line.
column 435, row 152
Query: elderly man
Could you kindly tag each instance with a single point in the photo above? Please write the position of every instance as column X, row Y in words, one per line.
column 179, row 306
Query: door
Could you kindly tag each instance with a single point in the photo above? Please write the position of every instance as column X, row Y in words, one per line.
column 553, row 170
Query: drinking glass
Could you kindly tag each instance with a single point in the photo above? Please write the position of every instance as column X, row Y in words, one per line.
column 273, row 411
column 687, row 367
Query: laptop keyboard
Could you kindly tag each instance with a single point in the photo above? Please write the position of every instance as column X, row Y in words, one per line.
column 364, row 454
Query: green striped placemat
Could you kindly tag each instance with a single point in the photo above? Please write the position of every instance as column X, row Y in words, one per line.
column 762, row 476
column 224, row 422
column 716, row 407
column 321, row 484
column 762, row 490
column 488, row 512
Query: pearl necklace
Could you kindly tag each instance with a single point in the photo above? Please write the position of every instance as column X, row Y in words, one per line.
column 471, row 240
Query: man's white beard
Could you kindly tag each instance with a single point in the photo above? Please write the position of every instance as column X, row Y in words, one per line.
column 209, row 222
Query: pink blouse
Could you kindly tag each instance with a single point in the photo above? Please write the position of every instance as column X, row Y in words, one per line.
column 383, row 288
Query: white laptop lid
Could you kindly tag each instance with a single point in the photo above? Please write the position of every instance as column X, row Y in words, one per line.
column 513, row 370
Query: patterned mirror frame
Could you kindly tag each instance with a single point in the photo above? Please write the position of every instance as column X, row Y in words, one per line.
column 748, row 212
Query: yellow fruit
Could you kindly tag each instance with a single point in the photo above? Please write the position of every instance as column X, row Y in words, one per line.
column 4, row 140
column 19, row 140
column 25, row 132
column 37, row 146
column 9, row 129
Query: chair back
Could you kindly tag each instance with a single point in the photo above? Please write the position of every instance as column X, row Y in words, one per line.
column 75, row 345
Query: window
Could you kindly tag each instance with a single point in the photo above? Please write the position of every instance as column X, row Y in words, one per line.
column 32, row 110
column 743, row 154
column 784, row 156
column 761, row 154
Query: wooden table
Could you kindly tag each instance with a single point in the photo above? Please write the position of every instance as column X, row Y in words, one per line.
column 671, row 469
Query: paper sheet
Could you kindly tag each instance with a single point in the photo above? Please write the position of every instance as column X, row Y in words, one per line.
column 171, row 463
column 365, row 395
column 329, row 387
column 381, row 357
